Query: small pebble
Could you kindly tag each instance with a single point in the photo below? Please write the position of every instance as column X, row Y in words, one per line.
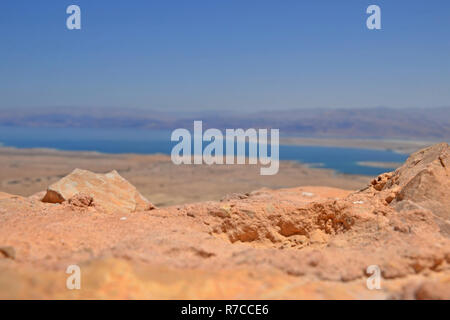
column 307, row 194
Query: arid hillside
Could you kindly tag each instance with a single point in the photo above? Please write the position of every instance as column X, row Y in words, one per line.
column 306, row 242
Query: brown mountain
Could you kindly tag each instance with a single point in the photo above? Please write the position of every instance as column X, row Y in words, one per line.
column 412, row 123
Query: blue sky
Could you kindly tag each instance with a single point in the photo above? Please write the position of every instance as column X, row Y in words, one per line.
column 224, row 54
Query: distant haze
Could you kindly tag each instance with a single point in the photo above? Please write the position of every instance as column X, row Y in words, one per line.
column 406, row 123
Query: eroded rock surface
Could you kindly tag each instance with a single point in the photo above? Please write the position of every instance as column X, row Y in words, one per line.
column 422, row 183
column 306, row 242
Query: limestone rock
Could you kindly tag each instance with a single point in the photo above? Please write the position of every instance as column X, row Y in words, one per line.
column 82, row 200
column 425, row 180
column 110, row 192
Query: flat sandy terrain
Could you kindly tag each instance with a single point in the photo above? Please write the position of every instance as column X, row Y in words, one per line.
column 28, row 171
column 378, row 164
column 400, row 146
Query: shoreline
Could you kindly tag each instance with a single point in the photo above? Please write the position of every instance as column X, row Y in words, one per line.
column 317, row 142
column 380, row 164
column 395, row 145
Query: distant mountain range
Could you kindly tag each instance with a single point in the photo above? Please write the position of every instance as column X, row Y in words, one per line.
column 381, row 122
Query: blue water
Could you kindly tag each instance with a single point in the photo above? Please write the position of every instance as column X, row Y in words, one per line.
column 343, row 160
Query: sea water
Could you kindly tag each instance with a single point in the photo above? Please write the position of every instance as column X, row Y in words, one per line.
column 125, row 140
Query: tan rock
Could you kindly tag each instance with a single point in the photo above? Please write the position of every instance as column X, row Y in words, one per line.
column 390, row 197
column 110, row 191
column 433, row 291
column 318, row 236
column 82, row 200
column 381, row 180
column 427, row 290
column 425, row 180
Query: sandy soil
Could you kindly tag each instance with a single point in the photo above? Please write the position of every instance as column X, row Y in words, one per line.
column 400, row 146
column 379, row 164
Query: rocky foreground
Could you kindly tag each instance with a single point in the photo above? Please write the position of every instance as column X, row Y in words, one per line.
column 297, row 243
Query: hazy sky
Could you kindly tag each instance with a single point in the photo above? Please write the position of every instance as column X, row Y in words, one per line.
column 236, row 54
